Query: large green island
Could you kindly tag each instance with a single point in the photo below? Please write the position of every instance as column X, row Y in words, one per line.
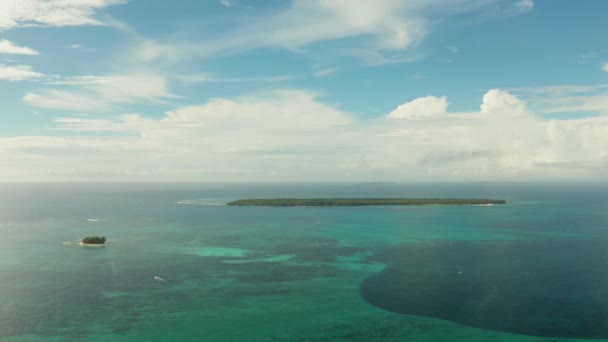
column 347, row 202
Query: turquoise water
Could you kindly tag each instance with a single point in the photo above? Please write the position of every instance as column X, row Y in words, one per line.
column 302, row 274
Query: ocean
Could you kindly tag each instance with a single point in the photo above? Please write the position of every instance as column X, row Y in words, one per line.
column 179, row 265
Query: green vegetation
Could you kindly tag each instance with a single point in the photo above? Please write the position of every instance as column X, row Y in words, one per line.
column 332, row 202
column 94, row 240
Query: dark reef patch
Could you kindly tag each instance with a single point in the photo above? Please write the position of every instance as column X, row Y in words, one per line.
column 551, row 288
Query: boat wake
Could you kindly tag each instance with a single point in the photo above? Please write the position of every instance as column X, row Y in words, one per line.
column 161, row 280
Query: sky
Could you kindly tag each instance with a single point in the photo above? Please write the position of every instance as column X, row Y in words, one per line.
column 303, row 90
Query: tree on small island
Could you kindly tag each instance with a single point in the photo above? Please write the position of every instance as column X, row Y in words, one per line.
column 94, row 240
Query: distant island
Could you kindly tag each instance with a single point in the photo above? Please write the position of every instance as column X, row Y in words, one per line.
column 348, row 202
column 93, row 241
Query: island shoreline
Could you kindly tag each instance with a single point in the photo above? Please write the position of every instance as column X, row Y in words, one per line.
column 93, row 244
column 351, row 202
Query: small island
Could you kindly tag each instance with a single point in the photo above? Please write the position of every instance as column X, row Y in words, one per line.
column 93, row 241
column 348, row 202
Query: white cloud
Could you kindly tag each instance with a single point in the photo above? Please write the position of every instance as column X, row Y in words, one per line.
column 290, row 135
column 195, row 78
column 577, row 104
column 505, row 141
column 98, row 94
column 227, row 3
column 19, row 13
column 383, row 27
column 65, row 100
column 502, row 103
column 8, row 47
column 605, row 67
column 222, row 138
column 18, row 73
column 89, row 125
column 525, row 4
column 207, row 77
column 392, row 22
column 325, row 72
column 80, row 47
column 575, row 99
column 152, row 50
column 421, row 108
column 561, row 90
column 131, row 88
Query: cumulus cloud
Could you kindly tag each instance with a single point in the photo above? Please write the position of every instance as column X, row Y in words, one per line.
column 421, row 108
column 505, row 140
column 290, row 135
column 18, row 73
column 19, row 13
column 230, row 139
column 605, row 67
column 503, row 103
column 279, row 112
column 8, row 47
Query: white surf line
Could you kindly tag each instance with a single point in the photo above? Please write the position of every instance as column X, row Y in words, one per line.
column 159, row 279
column 72, row 243
column 203, row 201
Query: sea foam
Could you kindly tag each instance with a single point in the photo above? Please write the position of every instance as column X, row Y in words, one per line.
column 203, row 201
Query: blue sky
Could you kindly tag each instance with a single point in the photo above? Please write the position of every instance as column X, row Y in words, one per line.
column 318, row 90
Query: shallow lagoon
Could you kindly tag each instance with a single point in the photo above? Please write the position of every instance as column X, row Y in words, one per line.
column 300, row 274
